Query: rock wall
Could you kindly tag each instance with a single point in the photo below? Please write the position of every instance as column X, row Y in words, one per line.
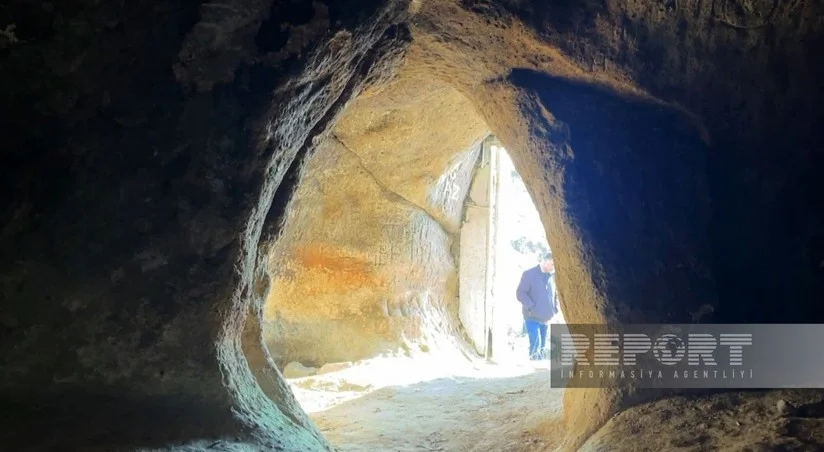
column 639, row 231
column 151, row 148
column 364, row 262
column 747, row 69
column 634, row 110
column 144, row 145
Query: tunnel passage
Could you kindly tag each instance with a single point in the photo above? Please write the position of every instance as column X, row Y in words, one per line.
column 147, row 141
column 649, row 236
column 618, row 181
column 366, row 258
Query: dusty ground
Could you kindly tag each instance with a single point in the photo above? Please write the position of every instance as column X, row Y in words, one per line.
column 448, row 403
column 433, row 404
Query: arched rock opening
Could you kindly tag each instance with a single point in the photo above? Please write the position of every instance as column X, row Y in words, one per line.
column 146, row 144
column 366, row 258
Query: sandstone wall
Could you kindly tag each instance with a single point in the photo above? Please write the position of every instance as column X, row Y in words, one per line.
column 365, row 260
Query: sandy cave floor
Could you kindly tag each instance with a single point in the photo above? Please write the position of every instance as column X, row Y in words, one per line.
column 402, row 404
column 433, row 404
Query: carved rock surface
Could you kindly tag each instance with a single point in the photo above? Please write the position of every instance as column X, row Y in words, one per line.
column 162, row 159
column 364, row 261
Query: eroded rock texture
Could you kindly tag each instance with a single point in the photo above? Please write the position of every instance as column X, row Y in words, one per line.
column 144, row 146
column 151, row 150
column 365, row 261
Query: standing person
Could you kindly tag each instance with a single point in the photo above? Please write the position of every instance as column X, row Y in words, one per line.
column 539, row 302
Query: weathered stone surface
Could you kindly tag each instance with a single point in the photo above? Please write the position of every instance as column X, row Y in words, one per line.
column 363, row 262
column 130, row 245
column 732, row 420
column 150, row 149
column 298, row 370
column 784, row 408
column 334, row 367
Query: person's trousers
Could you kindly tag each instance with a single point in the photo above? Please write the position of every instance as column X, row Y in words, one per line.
column 537, row 338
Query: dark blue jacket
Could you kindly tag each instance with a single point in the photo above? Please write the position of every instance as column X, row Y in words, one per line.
column 537, row 294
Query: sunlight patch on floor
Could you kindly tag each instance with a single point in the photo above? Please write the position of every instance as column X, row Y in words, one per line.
column 321, row 392
column 435, row 404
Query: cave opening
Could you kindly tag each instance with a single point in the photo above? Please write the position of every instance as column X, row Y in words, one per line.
column 151, row 150
column 367, row 263
column 393, row 273
column 501, row 237
column 364, row 384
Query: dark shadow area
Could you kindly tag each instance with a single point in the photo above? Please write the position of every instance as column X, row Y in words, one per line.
column 274, row 32
column 750, row 420
column 350, row 13
column 766, row 124
column 705, row 224
column 635, row 187
column 562, row 16
column 100, row 422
